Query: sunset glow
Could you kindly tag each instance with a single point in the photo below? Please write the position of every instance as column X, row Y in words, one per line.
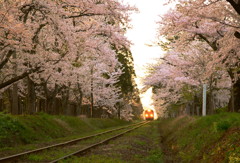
column 143, row 34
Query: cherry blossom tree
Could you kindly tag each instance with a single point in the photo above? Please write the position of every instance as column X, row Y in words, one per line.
column 53, row 50
column 193, row 29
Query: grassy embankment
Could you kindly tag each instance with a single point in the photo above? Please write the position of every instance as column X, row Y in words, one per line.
column 16, row 131
column 214, row 138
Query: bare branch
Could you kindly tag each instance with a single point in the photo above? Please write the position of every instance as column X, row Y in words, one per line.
column 9, row 54
column 17, row 78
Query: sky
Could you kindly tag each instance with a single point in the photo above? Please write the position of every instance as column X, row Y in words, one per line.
column 143, row 33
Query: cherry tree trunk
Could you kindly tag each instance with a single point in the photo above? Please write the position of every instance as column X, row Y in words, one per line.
column 49, row 104
column 196, row 104
column 65, row 103
column 119, row 110
column 234, row 102
column 72, row 109
column 57, row 106
column 79, row 100
column 14, row 101
column 50, row 99
column 31, row 97
column 1, row 104
column 210, row 103
column 41, row 105
column 14, row 96
column 236, row 90
column 198, row 110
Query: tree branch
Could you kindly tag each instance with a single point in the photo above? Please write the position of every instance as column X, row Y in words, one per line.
column 235, row 4
column 213, row 44
column 17, row 78
column 9, row 54
column 81, row 15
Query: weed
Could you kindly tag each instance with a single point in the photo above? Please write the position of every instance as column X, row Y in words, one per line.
column 155, row 156
column 36, row 157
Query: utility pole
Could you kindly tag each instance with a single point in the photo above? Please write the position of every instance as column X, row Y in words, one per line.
column 204, row 104
column 15, row 108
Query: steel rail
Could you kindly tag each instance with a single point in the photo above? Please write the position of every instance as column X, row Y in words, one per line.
column 16, row 156
column 81, row 151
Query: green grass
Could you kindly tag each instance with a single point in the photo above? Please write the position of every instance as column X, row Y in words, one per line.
column 155, row 156
column 141, row 145
column 93, row 159
column 205, row 138
column 48, row 155
column 147, row 138
column 28, row 129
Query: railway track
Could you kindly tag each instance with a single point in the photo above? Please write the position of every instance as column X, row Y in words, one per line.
column 111, row 134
